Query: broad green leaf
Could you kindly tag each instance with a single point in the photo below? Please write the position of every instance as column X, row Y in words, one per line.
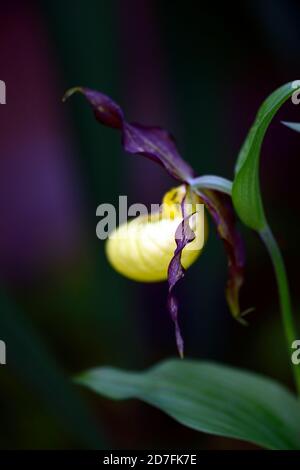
column 246, row 194
column 210, row 398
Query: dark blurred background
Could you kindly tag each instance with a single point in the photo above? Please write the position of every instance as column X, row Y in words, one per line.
column 199, row 69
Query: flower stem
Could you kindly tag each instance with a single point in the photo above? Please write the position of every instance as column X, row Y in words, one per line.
column 284, row 294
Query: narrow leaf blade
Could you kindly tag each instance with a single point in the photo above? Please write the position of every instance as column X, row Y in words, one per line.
column 246, row 193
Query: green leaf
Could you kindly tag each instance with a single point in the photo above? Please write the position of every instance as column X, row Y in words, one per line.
column 246, row 193
column 210, row 398
column 247, row 200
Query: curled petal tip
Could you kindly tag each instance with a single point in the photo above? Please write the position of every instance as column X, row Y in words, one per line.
column 70, row 92
column 243, row 314
column 242, row 321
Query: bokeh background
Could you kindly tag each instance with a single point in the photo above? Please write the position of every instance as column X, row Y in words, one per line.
column 199, row 69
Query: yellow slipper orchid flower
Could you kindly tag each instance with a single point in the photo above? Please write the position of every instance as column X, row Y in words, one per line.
column 143, row 248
